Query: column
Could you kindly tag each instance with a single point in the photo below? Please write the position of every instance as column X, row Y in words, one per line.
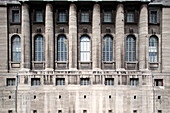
column 49, row 37
column 143, row 32
column 96, row 38
column 25, row 39
column 119, row 44
column 72, row 37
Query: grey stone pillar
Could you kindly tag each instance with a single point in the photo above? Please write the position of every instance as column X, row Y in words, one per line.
column 143, row 32
column 72, row 37
column 119, row 44
column 96, row 37
column 25, row 39
column 49, row 37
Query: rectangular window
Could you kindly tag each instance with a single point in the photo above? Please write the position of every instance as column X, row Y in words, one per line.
column 15, row 16
column 84, row 81
column 107, row 16
column 35, row 81
column 130, row 17
column 158, row 82
column 62, row 16
column 10, row 81
column 134, row 81
column 60, row 81
column 153, row 17
column 39, row 16
column 109, row 81
column 84, row 16
column 159, row 111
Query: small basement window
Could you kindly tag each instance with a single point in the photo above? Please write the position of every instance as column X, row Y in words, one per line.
column 35, row 81
column 158, row 82
column 10, row 81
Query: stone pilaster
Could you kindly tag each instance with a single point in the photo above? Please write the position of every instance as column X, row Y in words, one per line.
column 3, row 39
column 49, row 37
column 143, row 32
column 25, row 39
column 119, row 44
column 96, row 39
column 72, row 37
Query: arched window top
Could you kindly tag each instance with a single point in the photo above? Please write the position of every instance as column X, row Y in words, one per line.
column 131, row 38
column 61, row 37
column 108, row 37
column 153, row 40
column 16, row 38
column 84, row 39
column 38, row 37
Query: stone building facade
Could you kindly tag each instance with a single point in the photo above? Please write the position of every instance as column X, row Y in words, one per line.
column 85, row 56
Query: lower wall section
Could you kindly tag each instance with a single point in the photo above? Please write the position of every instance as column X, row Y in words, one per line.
column 104, row 93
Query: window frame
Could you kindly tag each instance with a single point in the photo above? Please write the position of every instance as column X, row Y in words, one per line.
column 134, row 81
column 133, row 17
column 128, row 51
column 151, row 48
column 12, row 16
column 16, row 44
column 9, row 81
column 88, row 52
column 66, row 59
column 60, row 81
column 33, row 80
column 109, row 81
column 84, row 81
column 111, row 16
column 35, row 16
column 156, row 82
column 58, row 16
column 42, row 52
column 157, row 17
column 104, row 59
column 85, row 16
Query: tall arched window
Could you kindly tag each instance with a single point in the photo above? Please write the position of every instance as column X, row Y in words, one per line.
column 16, row 49
column 107, row 48
column 39, row 48
column 153, row 42
column 62, row 49
column 130, row 48
column 84, row 48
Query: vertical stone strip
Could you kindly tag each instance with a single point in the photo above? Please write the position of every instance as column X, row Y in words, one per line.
column 96, row 39
column 165, row 40
column 25, row 39
column 143, row 32
column 72, row 37
column 119, row 44
column 49, row 37
column 3, row 39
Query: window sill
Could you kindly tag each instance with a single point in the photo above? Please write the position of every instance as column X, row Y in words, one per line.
column 15, row 23
column 38, row 22
column 131, row 23
column 131, row 62
column 107, row 22
column 62, row 62
column 85, row 22
column 154, row 23
column 61, row 22
column 14, row 64
column 85, row 61
column 38, row 62
column 108, row 62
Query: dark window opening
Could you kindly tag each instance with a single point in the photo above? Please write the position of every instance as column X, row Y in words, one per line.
column 60, row 81
column 109, row 81
column 84, row 81
column 10, row 81
column 158, row 82
column 15, row 16
column 35, row 81
column 134, row 81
